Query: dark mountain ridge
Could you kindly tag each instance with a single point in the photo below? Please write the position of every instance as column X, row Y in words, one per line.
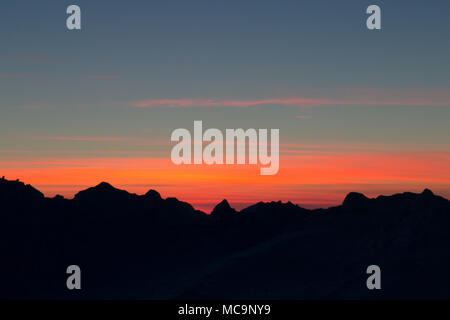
column 147, row 247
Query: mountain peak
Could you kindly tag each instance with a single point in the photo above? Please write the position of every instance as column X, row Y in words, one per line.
column 104, row 191
column 223, row 209
column 355, row 200
column 153, row 195
column 104, row 186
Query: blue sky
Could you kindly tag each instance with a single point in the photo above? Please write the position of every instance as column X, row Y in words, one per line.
column 136, row 50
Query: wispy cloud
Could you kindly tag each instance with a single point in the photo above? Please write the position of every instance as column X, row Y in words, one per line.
column 136, row 141
column 101, row 76
column 99, row 139
column 231, row 103
column 32, row 107
column 29, row 76
column 357, row 96
column 34, row 59
column 15, row 76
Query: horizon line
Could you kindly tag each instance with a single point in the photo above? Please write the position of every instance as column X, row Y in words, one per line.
column 3, row 179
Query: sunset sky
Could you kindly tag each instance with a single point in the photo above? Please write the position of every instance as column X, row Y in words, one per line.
column 357, row 110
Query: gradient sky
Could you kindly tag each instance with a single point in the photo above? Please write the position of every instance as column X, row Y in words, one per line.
column 357, row 110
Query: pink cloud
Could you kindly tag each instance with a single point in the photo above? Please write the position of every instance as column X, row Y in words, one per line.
column 230, row 103
column 356, row 96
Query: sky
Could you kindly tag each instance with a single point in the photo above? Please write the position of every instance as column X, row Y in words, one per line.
column 357, row 109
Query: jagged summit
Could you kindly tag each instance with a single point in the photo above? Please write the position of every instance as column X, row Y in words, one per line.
column 223, row 209
column 17, row 192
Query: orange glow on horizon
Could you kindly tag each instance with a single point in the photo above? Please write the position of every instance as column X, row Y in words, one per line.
column 310, row 179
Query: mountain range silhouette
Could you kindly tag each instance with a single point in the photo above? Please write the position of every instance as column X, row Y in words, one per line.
column 132, row 246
